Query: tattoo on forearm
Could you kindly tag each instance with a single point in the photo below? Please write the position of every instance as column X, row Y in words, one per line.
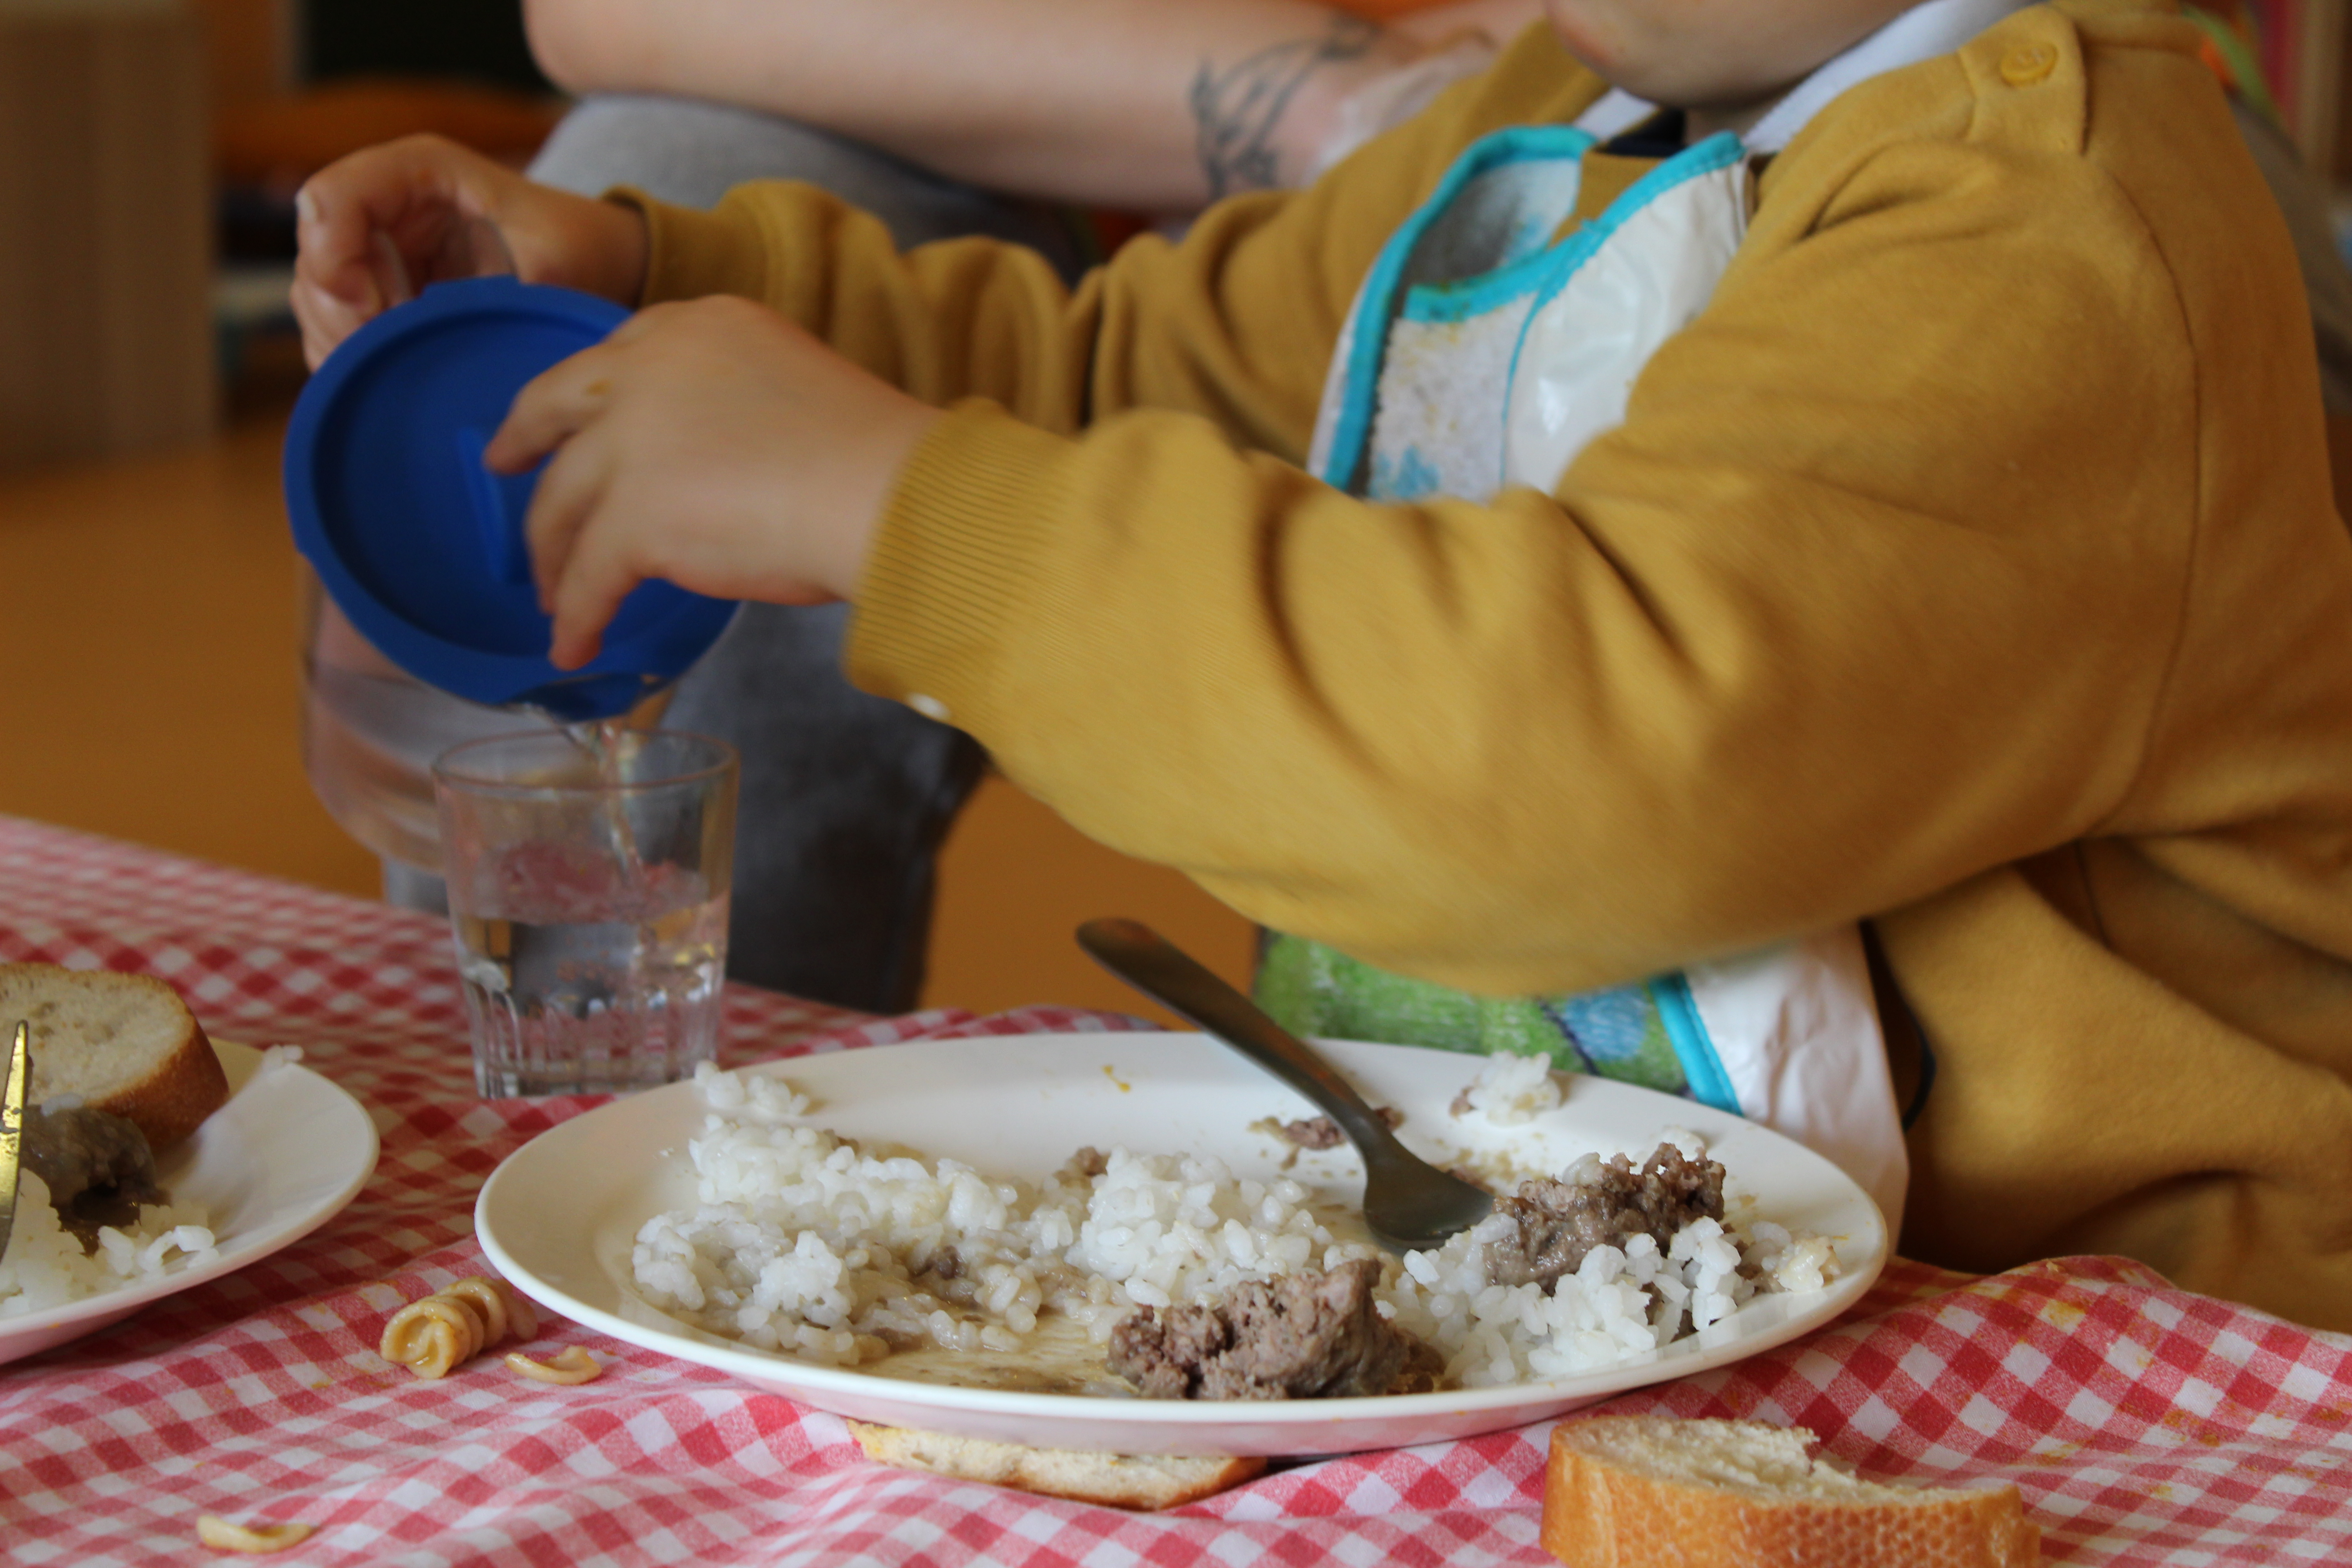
column 1238, row 108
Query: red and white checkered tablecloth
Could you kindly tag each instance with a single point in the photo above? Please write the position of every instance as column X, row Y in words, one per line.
column 2144, row 1424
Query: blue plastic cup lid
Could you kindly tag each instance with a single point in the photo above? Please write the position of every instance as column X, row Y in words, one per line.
column 420, row 546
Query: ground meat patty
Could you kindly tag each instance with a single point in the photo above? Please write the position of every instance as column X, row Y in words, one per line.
column 1556, row 1223
column 1322, row 1132
column 1302, row 1336
column 97, row 1166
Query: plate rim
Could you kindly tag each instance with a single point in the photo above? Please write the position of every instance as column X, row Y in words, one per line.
column 766, row 1370
column 108, row 1307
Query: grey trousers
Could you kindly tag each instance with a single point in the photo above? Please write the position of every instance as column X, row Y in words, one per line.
column 845, row 797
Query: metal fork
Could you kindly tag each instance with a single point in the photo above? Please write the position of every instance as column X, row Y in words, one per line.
column 11, row 1129
column 1410, row 1205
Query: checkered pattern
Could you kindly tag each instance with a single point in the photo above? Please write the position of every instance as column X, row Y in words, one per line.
column 2145, row 1425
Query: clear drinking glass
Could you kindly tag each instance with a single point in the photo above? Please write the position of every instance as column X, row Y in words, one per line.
column 588, row 874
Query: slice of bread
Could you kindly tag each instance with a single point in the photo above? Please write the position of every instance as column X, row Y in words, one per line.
column 1142, row 1481
column 124, row 1043
column 1634, row 1492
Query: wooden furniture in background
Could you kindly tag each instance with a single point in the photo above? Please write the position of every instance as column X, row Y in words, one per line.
column 250, row 48
column 2304, row 51
column 106, row 343
column 280, row 141
column 1015, row 883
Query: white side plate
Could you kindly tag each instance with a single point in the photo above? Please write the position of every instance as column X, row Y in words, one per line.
column 280, row 1159
column 557, row 1218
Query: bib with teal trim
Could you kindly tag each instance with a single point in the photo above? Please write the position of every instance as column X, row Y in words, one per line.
column 1620, row 1033
column 1492, row 340
column 1497, row 335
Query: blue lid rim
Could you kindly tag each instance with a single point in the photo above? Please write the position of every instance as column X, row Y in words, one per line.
column 496, row 679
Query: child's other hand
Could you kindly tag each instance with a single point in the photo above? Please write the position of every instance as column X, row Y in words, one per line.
column 379, row 226
column 713, row 444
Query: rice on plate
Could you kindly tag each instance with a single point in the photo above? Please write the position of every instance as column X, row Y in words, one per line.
column 806, row 1244
column 46, row 1266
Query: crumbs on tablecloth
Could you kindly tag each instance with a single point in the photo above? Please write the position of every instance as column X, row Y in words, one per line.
column 568, row 1365
column 223, row 1536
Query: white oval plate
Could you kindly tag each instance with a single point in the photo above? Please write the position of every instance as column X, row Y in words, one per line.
column 280, row 1159
column 558, row 1215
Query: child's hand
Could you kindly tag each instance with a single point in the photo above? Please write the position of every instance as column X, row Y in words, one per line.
column 382, row 223
column 713, row 444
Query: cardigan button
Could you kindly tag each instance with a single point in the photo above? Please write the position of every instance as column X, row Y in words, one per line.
column 929, row 707
column 2027, row 64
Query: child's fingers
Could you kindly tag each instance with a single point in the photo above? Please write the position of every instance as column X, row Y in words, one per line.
column 568, row 494
column 596, row 579
column 331, row 229
column 334, row 290
column 369, row 225
column 347, row 209
column 325, row 320
column 652, row 318
column 561, row 400
column 552, row 407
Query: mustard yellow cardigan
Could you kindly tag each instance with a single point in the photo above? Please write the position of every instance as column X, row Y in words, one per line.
column 1968, row 566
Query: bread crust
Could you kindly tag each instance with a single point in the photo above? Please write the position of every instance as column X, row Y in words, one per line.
column 1599, row 1513
column 166, row 1101
column 1139, row 1481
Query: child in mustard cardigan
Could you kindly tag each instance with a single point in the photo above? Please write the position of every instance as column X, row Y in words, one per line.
column 1833, row 477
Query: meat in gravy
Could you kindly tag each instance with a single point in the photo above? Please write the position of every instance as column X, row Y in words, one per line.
column 1300, row 1336
column 1556, row 1223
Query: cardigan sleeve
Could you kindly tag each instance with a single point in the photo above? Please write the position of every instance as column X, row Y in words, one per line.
column 1873, row 589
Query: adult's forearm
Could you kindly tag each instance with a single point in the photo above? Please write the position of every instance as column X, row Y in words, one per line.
column 1145, row 104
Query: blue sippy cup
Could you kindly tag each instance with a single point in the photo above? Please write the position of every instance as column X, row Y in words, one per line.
column 421, row 547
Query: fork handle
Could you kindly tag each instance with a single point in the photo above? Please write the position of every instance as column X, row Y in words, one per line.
column 1165, row 973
